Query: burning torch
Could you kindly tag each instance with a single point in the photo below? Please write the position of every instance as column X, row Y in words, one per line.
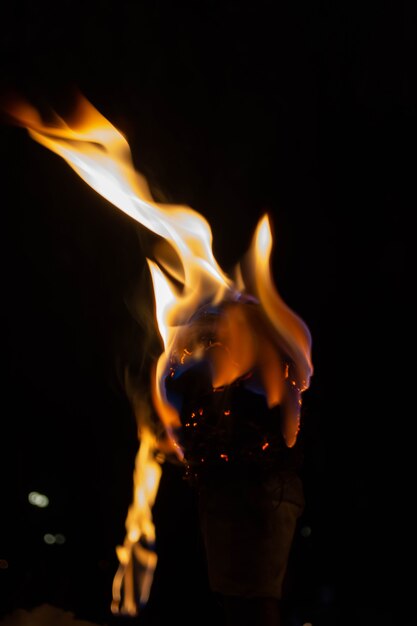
column 227, row 386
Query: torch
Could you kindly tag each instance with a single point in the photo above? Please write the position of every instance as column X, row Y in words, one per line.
column 240, row 451
column 226, row 387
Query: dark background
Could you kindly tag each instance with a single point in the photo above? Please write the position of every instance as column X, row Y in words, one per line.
column 307, row 112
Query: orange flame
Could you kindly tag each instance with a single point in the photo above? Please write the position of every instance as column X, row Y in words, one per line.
column 182, row 282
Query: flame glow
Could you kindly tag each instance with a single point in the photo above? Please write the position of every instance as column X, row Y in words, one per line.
column 185, row 275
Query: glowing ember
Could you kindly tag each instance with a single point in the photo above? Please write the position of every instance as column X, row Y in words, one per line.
column 186, row 278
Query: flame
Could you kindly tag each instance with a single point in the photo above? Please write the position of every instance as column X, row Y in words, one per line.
column 185, row 276
column 138, row 548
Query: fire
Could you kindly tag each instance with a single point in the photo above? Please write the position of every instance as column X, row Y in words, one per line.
column 185, row 277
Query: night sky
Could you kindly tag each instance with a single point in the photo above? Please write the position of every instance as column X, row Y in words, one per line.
column 307, row 112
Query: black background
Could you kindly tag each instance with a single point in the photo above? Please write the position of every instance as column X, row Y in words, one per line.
column 235, row 109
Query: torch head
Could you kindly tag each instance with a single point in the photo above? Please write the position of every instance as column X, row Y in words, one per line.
column 217, row 381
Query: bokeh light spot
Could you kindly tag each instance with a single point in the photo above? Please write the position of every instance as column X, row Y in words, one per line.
column 38, row 499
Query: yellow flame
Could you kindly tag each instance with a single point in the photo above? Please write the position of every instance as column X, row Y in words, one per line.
column 134, row 556
column 101, row 156
column 290, row 326
column 185, row 275
column 286, row 380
